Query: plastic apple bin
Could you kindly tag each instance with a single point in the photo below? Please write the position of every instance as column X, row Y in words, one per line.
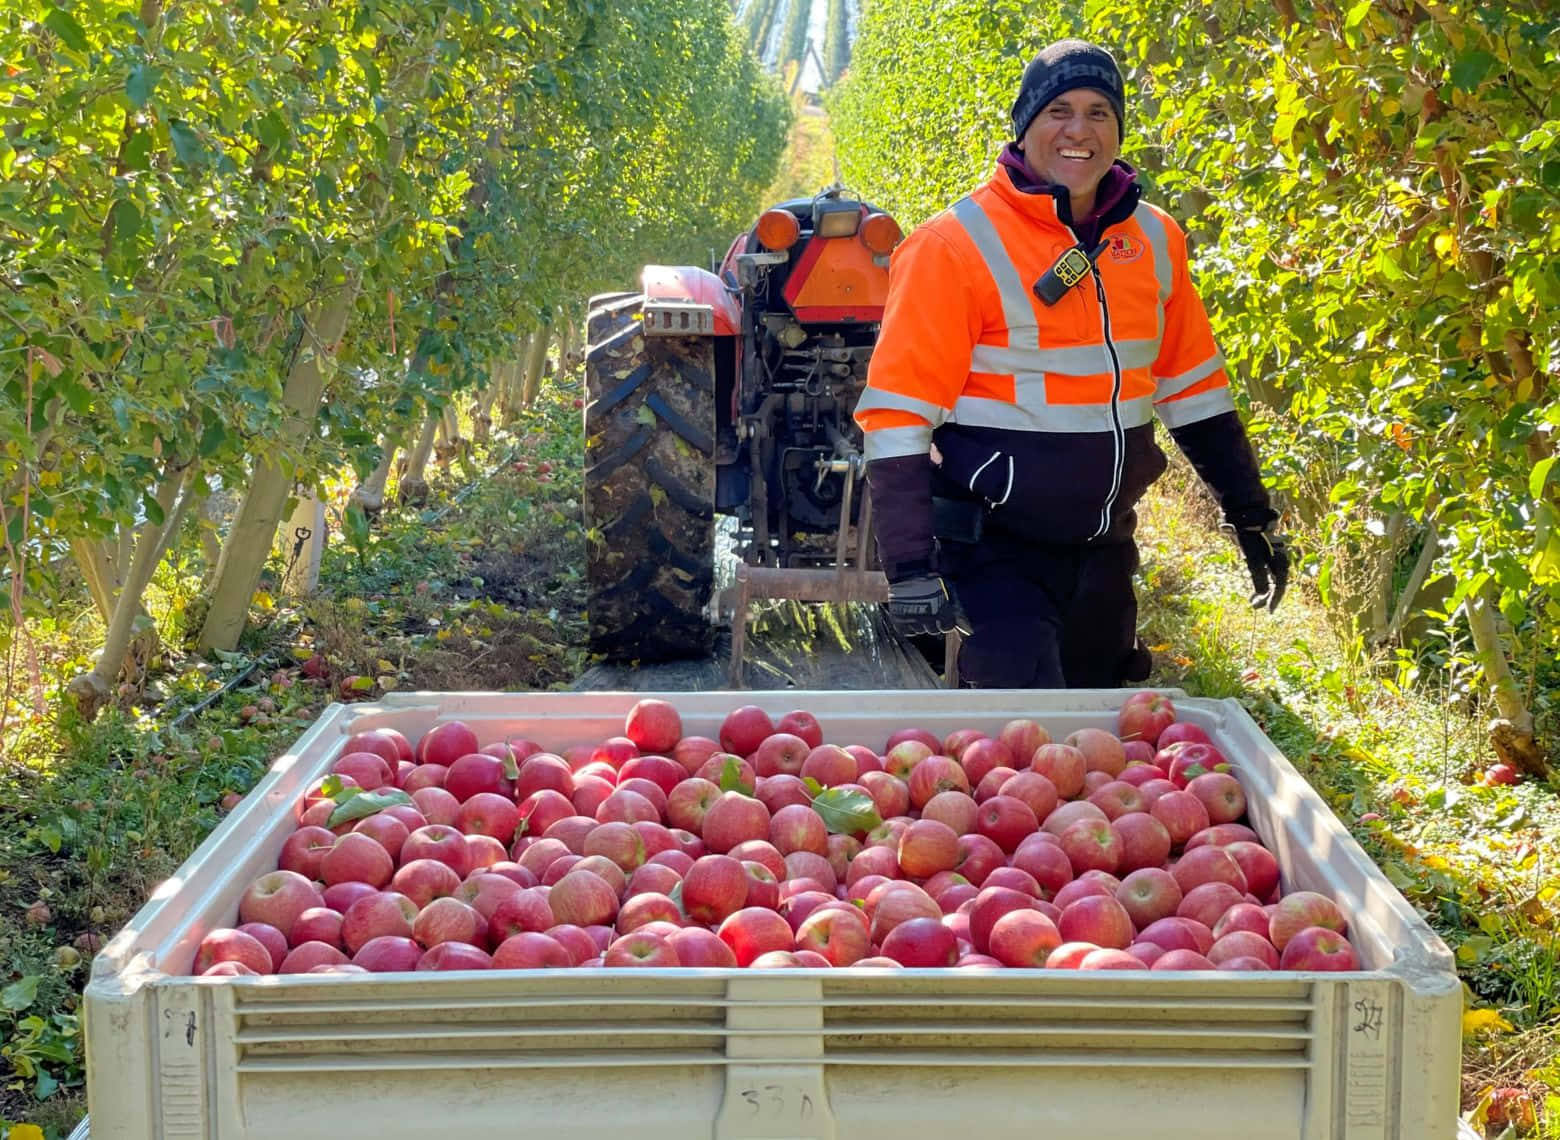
column 782, row 1054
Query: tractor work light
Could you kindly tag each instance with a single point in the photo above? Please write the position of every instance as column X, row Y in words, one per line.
column 836, row 218
column 778, row 230
column 880, row 233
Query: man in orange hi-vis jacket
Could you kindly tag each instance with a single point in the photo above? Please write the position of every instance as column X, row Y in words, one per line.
column 1033, row 331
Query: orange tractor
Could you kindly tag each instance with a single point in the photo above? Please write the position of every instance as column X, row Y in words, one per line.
column 729, row 394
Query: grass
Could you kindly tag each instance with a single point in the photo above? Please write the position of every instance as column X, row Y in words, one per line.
column 480, row 587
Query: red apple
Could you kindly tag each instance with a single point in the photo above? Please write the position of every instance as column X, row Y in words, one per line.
column 1207, row 865
column 890, row 795
column 1149, row 894
column 1299, row 910
column 1099, row 919
column 1033, row 789
column 1145, row 842
column 1183, row 730
column 386, row 830
column 692, row 751
column 733, row 819
column 531, row 950
column 979, row 856
column 760, row 851
column 687, row 803
column 615, row 876
column 424, row 776
column 830, row 765
column 1006, row 820
column 614, row 752
column 1069, row 955
column 898, row 903
column 437, row 805
column 1108, row 958
column 839, row 935
column 1182, row 813
column 1208, row 902
column 1046, row 863
column 625, row 805
column 545, row 772
column 1102, row 751
column 701, row 948
column 271, row 938
column 423, row 880
column 715, row 887
column 1258, row 864
column 619, row 842
column 1091, row 844
column 933, row 775
column 1221, row 794
column 781, row 790
column 228, row 945
column 385, row 914
column 980, row 756
column 1117, row 797
column 369, row 769
column 800, row 722
column 1178, row 934
column 653, row 725
column 921, row 943
column 437, row 841
column 387, row 742
column 1144, row 715
column 488, row 813
column 1222, row 835
column 1243, row 944
column 1186, row 760
column 745, row 728
column 303, row 850
column 277, row 898
column 444, row 743
column 902, row 758
column 661, row 771
column 527, row 910
column 1317, row 948
column 798, row 828
column 1242, row 916
column 926, row 847
column 1023, row 939
column 956, row 809
column 583, row 898
column 752, row 931
column 478, row 772
column 990, row 905
column 307, row 957
column 640, row 910
column 448, row 920
column 317, row 924
column 571, row 831
column 1182, row 960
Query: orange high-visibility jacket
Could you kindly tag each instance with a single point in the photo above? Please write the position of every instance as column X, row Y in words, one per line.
column 1044, row 412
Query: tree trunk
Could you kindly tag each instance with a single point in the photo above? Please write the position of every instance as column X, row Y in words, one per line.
column 509, row 390
column 535, row 365
column 93, row 690
column 414, row 480
column 249, row 540
column 1511, row 732
column 370, row 493
column 482, row 404
column 254, row 529
column 97, row 569
column 1381, row 595
column 1416, row 581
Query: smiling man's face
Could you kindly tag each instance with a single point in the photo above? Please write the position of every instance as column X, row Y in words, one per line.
column 1072, row 143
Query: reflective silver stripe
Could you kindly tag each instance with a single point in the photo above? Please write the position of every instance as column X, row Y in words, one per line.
column 1204, row 405
column 1173, row 385
column 878, row 400
column 980, row 411
column 1009, row 489
column 1159, row 242
column 1016, row 310
column 892, row 443
column 1061, row 361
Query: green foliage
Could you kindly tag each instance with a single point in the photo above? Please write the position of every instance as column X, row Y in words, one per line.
column 180, row 186
column 1376, row 205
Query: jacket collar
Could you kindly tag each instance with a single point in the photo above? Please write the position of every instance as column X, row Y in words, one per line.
column 1114, row 202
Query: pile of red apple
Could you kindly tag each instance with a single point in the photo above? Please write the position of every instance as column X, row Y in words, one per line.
column 770, row 848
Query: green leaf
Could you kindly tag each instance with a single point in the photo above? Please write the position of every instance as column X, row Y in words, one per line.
column 355, row 526
column 331, row 787
column 813, row 786
column 127, row 221
column 186, row 143
column 137, row 151
column 1540, row 476
column 45, row 1085
column 20, row 994
column 153, row 509
column 1357, row 14
column 1471, row 68
column 511, row 763
column 212, row 439
column 140, row 84
column 362, row 804
column 64, row 25
column 846, row 812
column 731, row 777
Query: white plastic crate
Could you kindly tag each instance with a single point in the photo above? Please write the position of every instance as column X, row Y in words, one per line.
column 765, row 1055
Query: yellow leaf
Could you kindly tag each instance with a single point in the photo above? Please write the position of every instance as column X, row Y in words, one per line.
column 25, row 1132
column 385, row 666
column 1446, row 244
column 1476, row 1021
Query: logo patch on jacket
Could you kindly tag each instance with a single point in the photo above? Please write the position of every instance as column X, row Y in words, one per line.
column 1123, row 247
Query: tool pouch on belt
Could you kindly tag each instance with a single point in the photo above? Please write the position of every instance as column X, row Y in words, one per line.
column 956, row 520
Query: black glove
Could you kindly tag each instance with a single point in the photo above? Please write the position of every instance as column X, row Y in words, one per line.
column 1267, row 557
column 924, row 604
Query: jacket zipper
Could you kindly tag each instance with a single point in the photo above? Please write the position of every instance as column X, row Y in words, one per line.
column 1118, row 435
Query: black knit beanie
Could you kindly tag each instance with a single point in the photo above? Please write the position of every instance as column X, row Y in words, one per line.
column 1065, row 65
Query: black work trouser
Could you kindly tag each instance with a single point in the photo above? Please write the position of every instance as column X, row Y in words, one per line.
column 1046, row 616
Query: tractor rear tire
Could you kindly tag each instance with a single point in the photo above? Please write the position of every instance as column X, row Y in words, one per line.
column 649, row 487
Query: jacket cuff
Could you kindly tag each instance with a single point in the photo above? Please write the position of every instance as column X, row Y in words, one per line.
column 902, row 513
column 1221, row 454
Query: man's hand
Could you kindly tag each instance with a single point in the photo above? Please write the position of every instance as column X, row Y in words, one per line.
column 1267, row 558
column 924, row 605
